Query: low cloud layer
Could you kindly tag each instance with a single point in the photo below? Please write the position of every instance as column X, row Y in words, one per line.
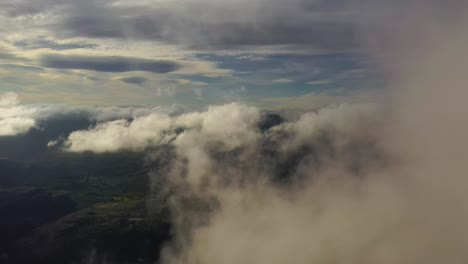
column 157, row 129
column 17, row 119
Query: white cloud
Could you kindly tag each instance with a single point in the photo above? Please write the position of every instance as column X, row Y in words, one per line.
column 9, row 99
column 343, row 123
column 13, row 119
column 230, row 125
column 120, row 134
column 16, row 119
column 283, row 80
column 15, row 126
column 411, row 208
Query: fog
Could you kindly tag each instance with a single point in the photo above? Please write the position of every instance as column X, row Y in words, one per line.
column 410, row 208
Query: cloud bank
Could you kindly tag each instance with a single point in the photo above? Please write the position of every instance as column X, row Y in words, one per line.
column 215, row 24
column 229, row 154
column 157, row 129
column 202, row 24
column 17, row 119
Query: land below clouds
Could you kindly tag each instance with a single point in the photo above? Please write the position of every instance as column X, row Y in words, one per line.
column 65, row 207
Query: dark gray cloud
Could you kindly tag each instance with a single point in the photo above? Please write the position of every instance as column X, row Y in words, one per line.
column 207, row 24
column 327, row 25
column 106, row 63
column 15, row 8
column 95, row 27
column 137, row 80
column 326, row 35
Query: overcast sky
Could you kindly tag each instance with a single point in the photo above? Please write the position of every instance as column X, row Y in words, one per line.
column 194, row 52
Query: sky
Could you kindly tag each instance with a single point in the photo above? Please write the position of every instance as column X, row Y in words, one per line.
column 373, row 170
column 268, row 53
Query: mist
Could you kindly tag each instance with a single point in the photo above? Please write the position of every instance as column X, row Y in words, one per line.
column 385, row 187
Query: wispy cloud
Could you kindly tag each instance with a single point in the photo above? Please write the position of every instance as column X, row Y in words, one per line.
column 138, row 80
column 318, row 82
column 283, row 80
column 106, row 64
column 9, row 99
column 44, row 43
column 17, row 119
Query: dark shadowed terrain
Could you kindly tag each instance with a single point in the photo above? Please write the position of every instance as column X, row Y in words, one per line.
column 58, row 207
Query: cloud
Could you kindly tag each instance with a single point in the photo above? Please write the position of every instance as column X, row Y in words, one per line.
column 106, row 64
column 283, row 80
column 89, row 33
column 138, row 80
column 156, row 129
column 209, row 24
column 17, row 119
column 344, row 184
column 200, row 24
column 341, row 184
column 120, row 134
column 95, row 27
column 236, row 177
column 318, row 82
column 9, row 99
column 21, row 67
column 314, row 101
column 322, row 186
column 354, row 189
column 15, row 126
column 7, row 55
column 43, row 43
column 12, row 124
column 25, row 8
